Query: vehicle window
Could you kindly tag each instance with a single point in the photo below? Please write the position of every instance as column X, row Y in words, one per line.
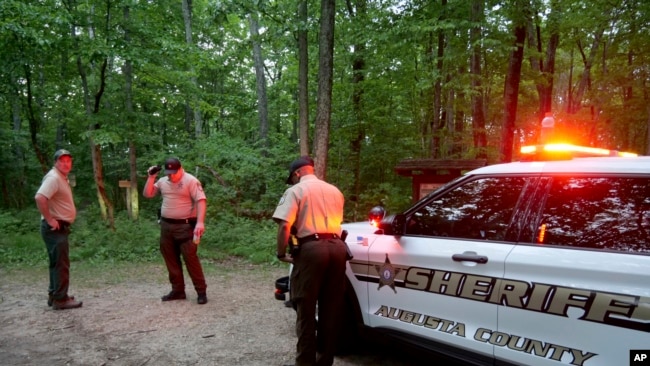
column 603, row 213
column 478, row 209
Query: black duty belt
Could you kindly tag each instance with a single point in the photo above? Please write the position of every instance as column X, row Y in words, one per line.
column 61, row 222
column 190, row 220
column 63, row 225
column 317, row 236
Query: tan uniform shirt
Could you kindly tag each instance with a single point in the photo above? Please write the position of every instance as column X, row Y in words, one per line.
column 179, row 199
column 56, row 188
column 312, row 206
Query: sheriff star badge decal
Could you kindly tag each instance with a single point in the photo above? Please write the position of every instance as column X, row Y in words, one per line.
column 387, row 274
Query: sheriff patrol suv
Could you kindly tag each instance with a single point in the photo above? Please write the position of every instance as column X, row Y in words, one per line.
column 525, row 263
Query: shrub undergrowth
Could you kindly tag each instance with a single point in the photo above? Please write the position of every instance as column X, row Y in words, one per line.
column 93, row 242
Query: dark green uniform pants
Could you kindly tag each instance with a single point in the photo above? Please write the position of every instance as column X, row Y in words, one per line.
column 58, row 248
column 318, row 276
column 176, row 244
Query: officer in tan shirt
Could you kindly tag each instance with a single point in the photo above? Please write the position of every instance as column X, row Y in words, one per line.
column 315, row 208
column 54, row 201
column 181, row 225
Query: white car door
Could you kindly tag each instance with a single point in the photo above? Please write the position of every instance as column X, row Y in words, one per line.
column 578, row 292
column 435, row 282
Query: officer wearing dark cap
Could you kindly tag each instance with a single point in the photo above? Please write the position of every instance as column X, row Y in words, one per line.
column 297, row 164
column 182, row 223
column 54, row 201
column 315, row 208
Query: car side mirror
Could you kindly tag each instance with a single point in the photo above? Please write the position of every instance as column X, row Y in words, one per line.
column 399, row 224
column 392, row 225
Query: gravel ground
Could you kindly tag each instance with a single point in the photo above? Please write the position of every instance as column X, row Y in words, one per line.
column 123, row 321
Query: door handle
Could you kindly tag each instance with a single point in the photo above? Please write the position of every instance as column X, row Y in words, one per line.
column 470, row 257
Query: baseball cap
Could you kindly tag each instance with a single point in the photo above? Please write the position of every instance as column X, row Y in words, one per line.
column 61, row 152
column 172, row 165
column 299, row 163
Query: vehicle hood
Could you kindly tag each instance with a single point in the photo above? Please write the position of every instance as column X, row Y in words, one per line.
column 358, row 229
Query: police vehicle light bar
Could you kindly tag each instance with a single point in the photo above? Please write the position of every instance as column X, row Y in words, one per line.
column 549, row 150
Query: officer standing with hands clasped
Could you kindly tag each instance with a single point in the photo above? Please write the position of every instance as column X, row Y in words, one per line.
column 315, row 208
column 181, row 225
column 54, row 201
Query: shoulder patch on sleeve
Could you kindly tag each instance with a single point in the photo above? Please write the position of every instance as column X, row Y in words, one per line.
column 282, row 199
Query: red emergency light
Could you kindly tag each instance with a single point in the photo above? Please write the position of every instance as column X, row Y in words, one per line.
column 562, row 151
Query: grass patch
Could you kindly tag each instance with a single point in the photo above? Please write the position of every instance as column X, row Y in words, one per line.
column 95, row 245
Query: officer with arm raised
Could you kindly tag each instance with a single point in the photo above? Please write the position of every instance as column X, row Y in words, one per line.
column 182, row 219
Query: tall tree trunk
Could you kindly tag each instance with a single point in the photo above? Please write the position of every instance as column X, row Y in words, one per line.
column 426, row 113
column 262, row 105
column 358, row 12
column 447, row 119
column 459, row 126
column 437, row 122
column 511, row 92
column 325, row 79
column 105, row 204
column 192, row 108
column 549, row 74
column 586, row 74
column 545, row 67
column 132, row 190
column 647, row 130
column 478, row 116
column 303, row 80
column 34, row 122
column 17, row 197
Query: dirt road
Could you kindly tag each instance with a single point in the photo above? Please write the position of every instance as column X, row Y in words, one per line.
column 123, row 321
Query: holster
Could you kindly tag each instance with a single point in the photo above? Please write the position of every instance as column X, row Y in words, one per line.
column 294, row 247
column 64, row 226
column 349, row 256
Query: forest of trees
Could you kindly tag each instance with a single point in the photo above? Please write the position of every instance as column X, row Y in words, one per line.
column 238, row 88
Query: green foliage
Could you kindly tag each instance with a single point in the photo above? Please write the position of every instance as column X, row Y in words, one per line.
column 20, row 240
column 22, row 249
column 131, row 241
column 250, row 239
column 386, row 195
column 386, row 73
column 91, row 242
column 238, row 179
